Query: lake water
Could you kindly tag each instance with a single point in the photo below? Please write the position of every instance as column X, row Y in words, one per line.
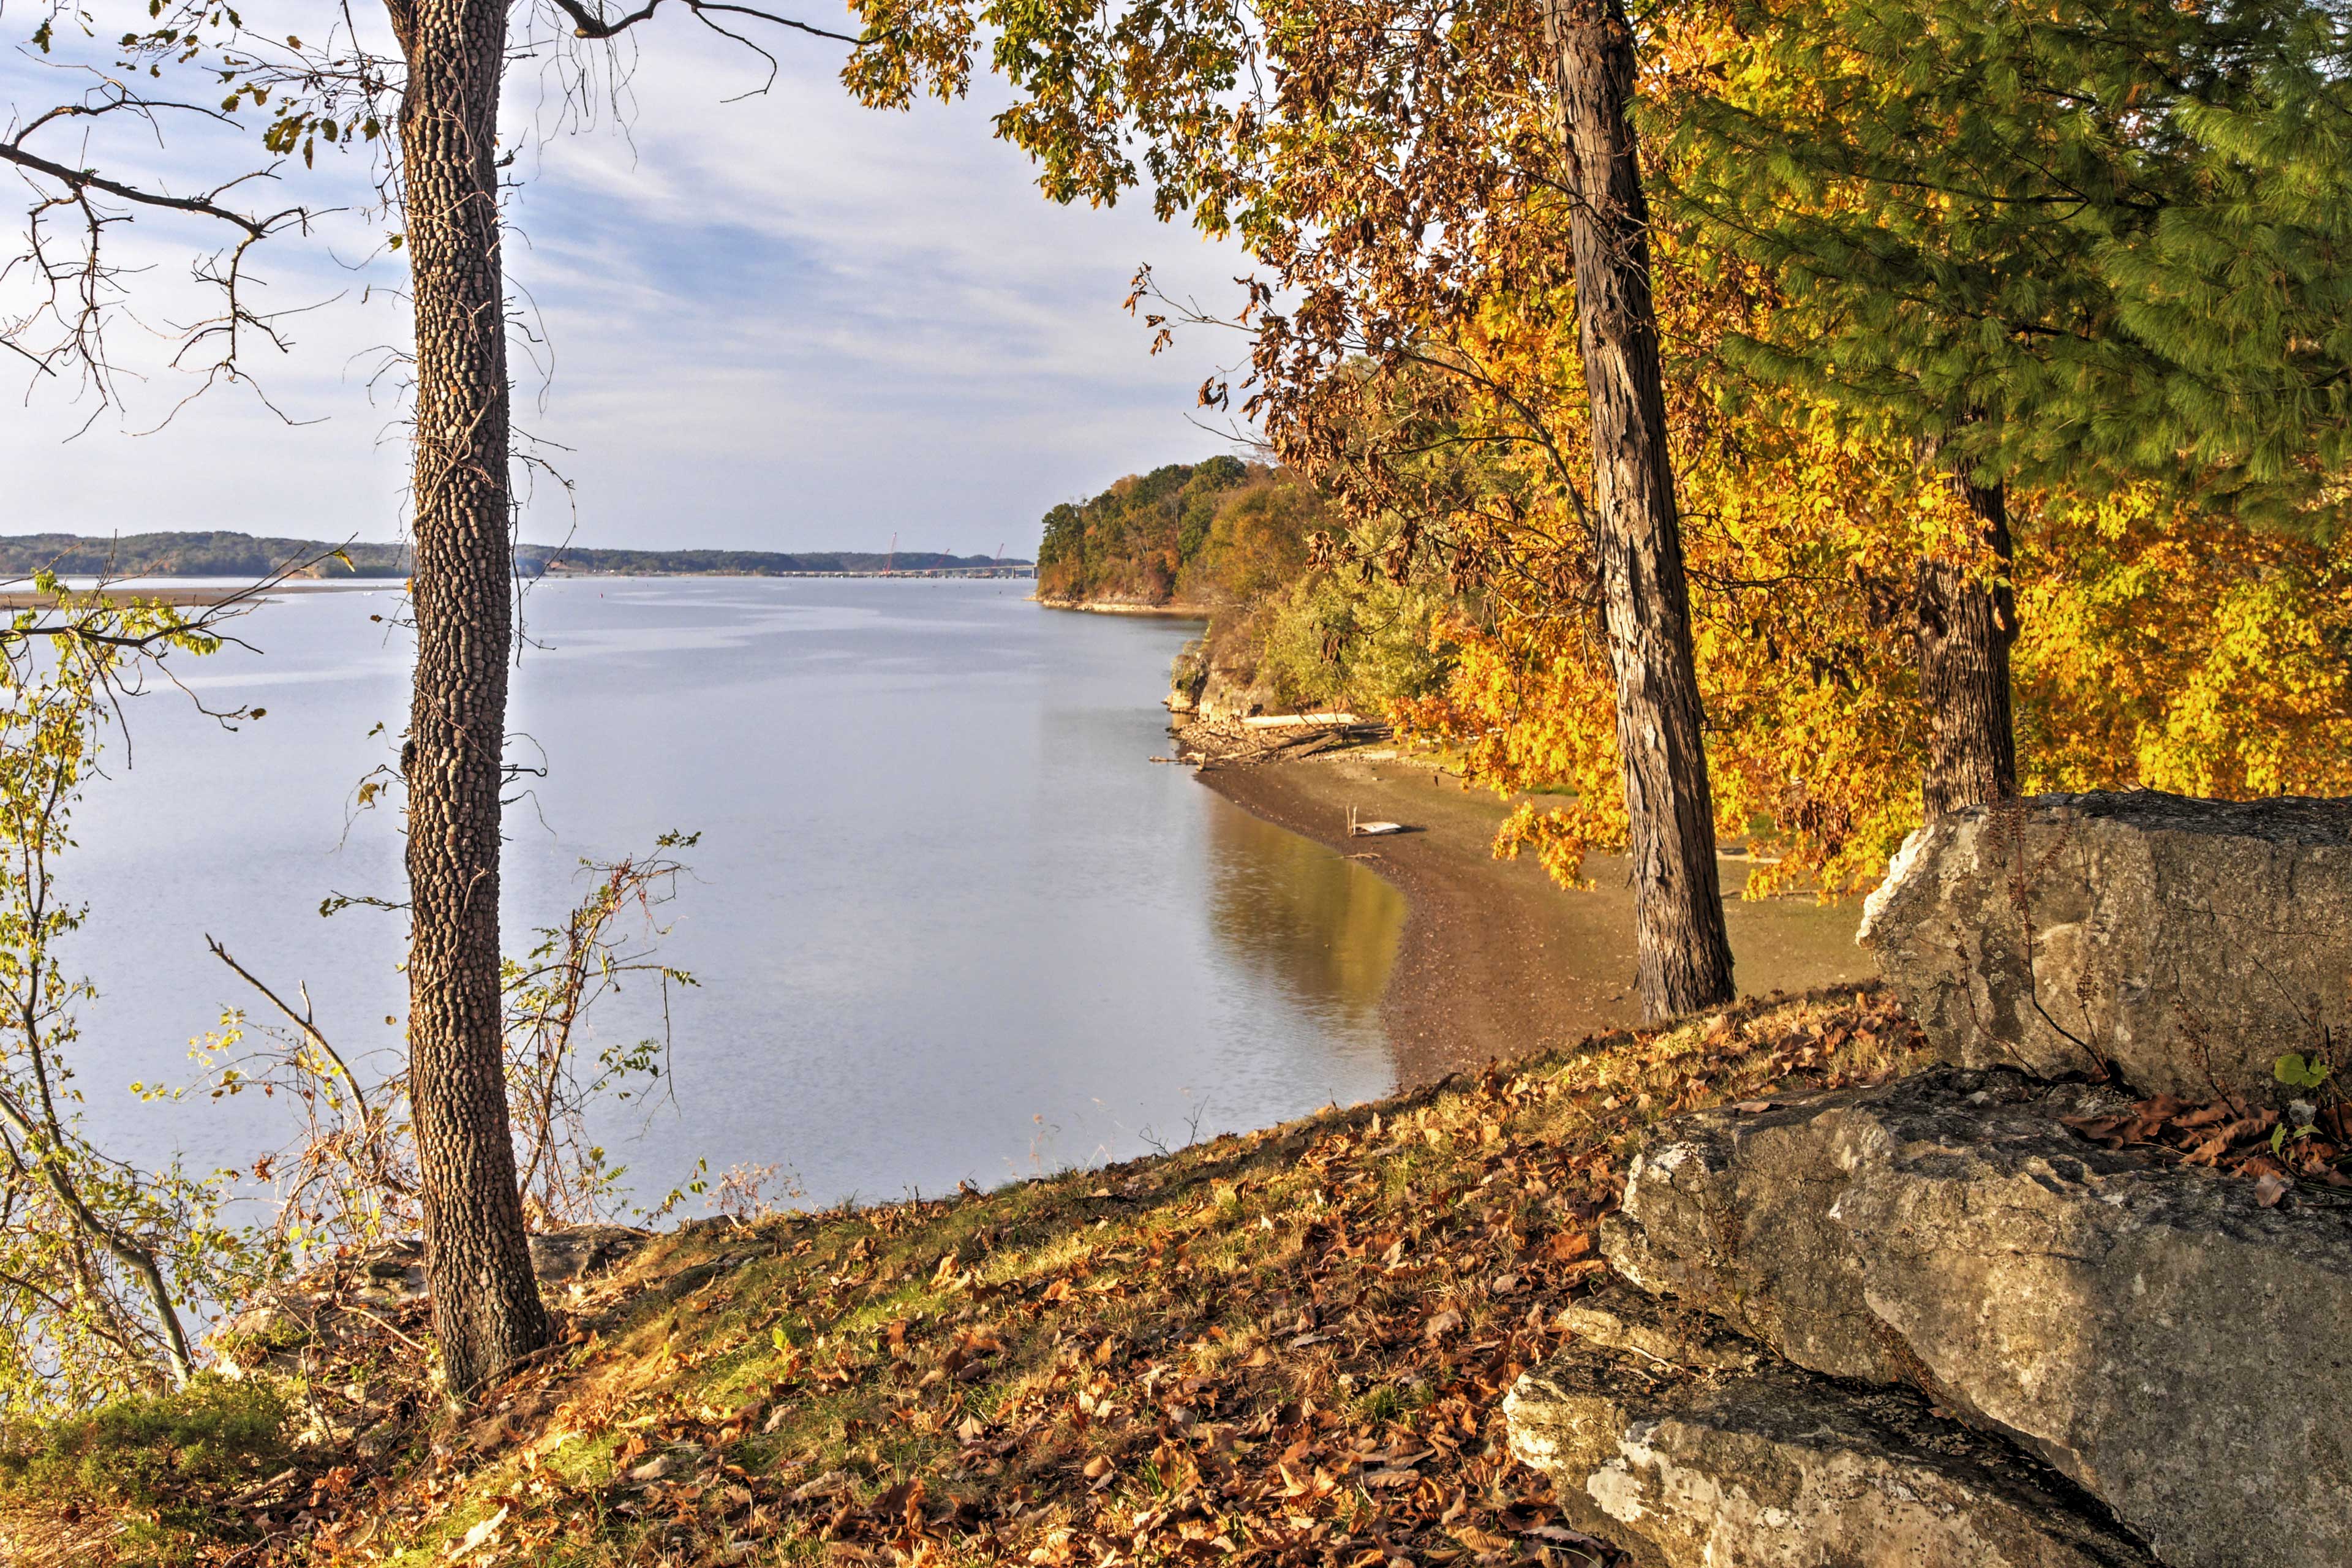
column 950, row 921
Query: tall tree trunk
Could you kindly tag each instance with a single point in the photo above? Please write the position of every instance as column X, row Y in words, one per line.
column 486, row 1305
column 1966, row 624
column 1684, row 954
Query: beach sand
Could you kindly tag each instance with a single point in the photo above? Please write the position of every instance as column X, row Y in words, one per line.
column 1496, row 961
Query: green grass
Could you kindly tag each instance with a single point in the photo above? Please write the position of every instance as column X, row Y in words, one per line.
column 163, row 1465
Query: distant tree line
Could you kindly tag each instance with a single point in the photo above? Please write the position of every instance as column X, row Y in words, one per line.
column 191, row 555
column 217, row 554
column 1132, row 543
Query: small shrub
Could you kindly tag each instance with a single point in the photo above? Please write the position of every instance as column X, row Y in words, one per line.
column 1330, row 640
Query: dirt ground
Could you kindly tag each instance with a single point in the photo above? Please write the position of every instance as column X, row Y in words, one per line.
column 1496, row 961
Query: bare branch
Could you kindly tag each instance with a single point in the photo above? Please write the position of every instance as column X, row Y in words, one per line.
column 590, row 24
column 15, row 151
column 304, row 1021
column 77, row 289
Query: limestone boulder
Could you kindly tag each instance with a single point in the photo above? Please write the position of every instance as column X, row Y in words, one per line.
column 1772, row 1468
column 2154, row 1332
column 2186, row 943
column 1652, row 1328
column 1187, row 678
column 1231, row 692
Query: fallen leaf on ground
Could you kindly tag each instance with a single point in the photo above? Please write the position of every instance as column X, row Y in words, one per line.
column 478, row 1534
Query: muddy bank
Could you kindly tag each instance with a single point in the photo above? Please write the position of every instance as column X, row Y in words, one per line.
column 1496, row 961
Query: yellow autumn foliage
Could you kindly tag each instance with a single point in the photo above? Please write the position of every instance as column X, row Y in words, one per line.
column 2158, row 645
column 2163, row 649
column 2158, row 648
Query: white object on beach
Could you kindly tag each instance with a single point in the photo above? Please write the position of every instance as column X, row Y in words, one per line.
column 1290, row 720
column 1358, row 829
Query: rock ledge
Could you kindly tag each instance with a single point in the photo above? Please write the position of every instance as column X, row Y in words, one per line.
column 2151, row 1331
column 2186, row 943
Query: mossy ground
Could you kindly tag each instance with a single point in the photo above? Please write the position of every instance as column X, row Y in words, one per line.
column 1291, row 1345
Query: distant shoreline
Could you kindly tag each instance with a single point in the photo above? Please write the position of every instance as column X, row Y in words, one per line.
column 195, row 596
column 224, row 554
column 185, row 594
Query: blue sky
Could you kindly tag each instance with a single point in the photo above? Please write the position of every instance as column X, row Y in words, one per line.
column 780, row 323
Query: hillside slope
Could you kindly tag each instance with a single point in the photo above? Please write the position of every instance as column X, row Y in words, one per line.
column 1291, row 1346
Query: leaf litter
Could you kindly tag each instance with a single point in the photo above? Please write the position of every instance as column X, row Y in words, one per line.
column 1289, row 1346
column 2231, row 1136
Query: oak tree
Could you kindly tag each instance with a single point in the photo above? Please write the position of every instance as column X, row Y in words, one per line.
column 1397, row 166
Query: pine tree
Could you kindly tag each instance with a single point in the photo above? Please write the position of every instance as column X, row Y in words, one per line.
column 2075, row 246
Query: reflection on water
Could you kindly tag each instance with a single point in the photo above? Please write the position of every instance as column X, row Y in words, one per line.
column 950, row 923
column 1321, row 928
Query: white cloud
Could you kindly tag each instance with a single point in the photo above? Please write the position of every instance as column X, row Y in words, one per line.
column 783, row 322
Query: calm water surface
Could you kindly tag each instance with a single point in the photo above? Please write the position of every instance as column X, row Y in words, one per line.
column 950, row 921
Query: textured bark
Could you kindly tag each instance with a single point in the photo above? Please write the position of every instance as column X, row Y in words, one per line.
column 486, row 1305
column 1684, row 955
column 1964, row 628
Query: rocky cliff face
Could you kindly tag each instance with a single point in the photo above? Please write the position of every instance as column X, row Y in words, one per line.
column 1767, row 1467
column 1211, row 693
column 2146, row 1328
column 1935, row 1323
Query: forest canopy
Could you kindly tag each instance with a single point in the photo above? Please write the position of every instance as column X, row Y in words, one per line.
column 1131, row 543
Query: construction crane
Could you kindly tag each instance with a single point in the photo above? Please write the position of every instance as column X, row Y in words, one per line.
column 892, row 564
column 996, row 561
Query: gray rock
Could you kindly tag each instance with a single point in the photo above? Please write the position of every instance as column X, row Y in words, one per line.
column 2152, row 1330
column 1774, row 1468
column 2189, row 943
column 1187, row 678
column 1630, row 1323
column 557, row 1256
column 1228, row 693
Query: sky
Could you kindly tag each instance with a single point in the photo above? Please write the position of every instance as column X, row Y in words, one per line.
column 783, row 323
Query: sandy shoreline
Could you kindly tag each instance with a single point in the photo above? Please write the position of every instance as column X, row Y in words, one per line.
column 1495, row 961
column 1121, row 607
